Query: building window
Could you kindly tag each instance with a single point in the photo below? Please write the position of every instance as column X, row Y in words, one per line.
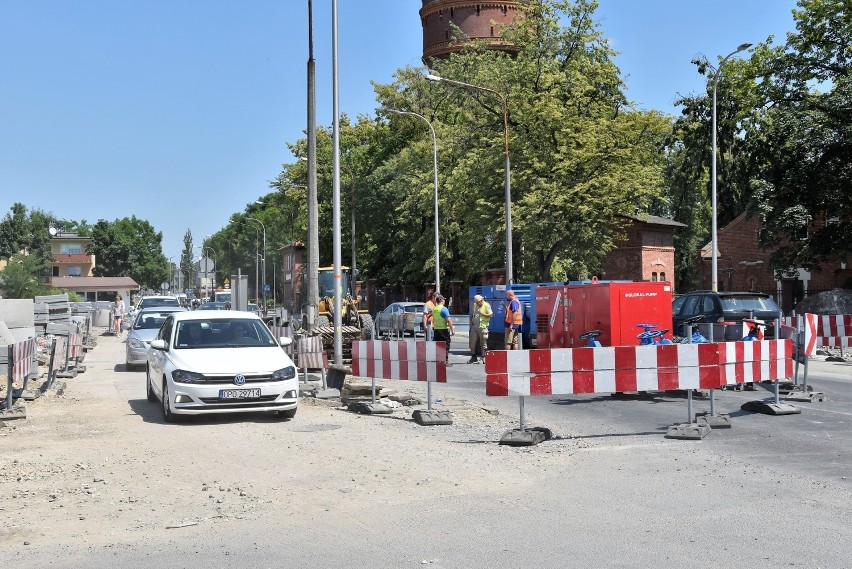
column 74, row 271
column 663, row 277
column 70, row 248
column 653, row 277
column 477, row 9
column 55, row 271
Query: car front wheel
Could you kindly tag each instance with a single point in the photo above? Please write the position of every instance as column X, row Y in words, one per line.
column 152, row 397
column 168, row 416
column 288, row 414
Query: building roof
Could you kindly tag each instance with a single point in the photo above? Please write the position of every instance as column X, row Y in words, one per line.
column 94, row 283
column 656, row 220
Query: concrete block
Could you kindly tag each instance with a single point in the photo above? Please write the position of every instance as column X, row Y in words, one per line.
column 328, row 394
column 719, row 421
column 805, row 397
column 16, row 412
column 768, row 408
column 24, row 333
column 688, row 431
column 370, row 408
column 6, row 336
column 428, row 418
column 527, row 437
column 26, row 394
column 17, row 313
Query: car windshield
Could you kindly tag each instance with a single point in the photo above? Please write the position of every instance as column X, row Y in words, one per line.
column 148, row 302
column 749, row 303
column 151, row 320
column 414, row 308
column 222, row 333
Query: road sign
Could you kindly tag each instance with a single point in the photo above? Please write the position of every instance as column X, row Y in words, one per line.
column 267, row 288
column 164, row 285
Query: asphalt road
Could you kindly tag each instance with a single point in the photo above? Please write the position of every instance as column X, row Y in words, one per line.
column 607, row 491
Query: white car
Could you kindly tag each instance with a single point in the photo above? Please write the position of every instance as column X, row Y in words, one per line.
column 222, row 361
column 144, row 329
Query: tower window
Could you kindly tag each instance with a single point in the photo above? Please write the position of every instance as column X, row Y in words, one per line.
column 477, row 9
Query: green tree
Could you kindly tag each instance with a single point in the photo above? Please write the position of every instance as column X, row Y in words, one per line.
column 803, row 147
column 19, row 278
column 129, row 247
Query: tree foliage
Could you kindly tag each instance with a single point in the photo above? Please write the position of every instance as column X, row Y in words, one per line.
column 129, row 247
column 19, row 278
column 803, row 146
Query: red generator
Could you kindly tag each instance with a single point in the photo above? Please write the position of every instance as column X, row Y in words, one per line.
column 563, row 312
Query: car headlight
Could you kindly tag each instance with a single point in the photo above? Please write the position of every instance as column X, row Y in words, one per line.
column 288, row 372
column 136, row 344
column 183, row 376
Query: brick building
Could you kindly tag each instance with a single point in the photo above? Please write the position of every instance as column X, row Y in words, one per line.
column 476, row 20
column 743, row 266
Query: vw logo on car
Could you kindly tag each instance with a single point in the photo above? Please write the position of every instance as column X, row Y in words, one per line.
column 239, row 379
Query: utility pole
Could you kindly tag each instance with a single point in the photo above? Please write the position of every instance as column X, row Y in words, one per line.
column 313, row 206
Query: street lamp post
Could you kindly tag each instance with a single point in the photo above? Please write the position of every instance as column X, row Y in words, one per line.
column 264, row 261
column 435, row 170
column 507, row 181
column 714, row 246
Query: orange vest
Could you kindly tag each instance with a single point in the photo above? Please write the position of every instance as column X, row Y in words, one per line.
column 515, row 318
column 430, row 306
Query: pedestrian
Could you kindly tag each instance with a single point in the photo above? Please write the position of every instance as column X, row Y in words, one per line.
column 118, row 310
column 427, row 315
column 442, row 324
column 480, row 318
column 514, row 319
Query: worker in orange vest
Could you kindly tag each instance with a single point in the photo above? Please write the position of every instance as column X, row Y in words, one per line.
column 514, row 319
column 427, row 315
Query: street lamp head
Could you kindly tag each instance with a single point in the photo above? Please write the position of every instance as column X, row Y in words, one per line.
column 433, row 77
column 743, row 46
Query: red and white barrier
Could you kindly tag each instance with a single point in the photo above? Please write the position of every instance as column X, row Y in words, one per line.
column 569, row 371
column 747, row 362
column 833, row 330
column 21, row 356
column 405, row 359
column 311, row 353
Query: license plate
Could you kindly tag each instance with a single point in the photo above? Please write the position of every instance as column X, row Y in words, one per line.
column 239, row 393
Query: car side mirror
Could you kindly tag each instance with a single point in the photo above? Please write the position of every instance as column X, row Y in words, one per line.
column 159, row 345
column 284, row 341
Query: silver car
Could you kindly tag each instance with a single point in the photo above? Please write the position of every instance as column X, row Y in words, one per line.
column 142, row 331
column 400, row 318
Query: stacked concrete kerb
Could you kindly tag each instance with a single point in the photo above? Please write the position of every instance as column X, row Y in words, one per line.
column 52, row 335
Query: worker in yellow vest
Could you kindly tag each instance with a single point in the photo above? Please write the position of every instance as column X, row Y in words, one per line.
column 442, row 324
column 480, row 317
column 514, row 319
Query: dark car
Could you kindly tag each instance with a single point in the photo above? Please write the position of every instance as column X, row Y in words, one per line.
column 726, row 310
column 214, row 306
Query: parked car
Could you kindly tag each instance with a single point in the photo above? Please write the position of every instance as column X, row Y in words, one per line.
column 407, row 317
column 220, row 362
column 726, row 310
column 142, row 330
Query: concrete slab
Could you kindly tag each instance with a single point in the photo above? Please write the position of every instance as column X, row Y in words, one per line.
column 17, row 313
column 370, row 409
column 16, row 412
column 327, row 394
column 688, row 431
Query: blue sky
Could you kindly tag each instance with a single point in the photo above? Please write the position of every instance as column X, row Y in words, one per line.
column 178, row 111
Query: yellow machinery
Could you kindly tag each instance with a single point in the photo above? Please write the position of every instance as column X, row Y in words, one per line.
column 357, row 324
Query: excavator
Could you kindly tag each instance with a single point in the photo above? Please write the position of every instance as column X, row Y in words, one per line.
column 357, row 324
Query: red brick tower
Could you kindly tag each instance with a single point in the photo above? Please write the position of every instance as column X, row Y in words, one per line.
column 478, row 20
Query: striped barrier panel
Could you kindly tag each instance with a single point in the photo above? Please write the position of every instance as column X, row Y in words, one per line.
column 311, row 353
column 75, row 344
column 403, row 359
column 21, row 356
column 569, row 371
column 749, row 362
column 832, row 330
column 284, row 332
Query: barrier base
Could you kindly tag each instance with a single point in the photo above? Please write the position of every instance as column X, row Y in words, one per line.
column 67, row 374
column 25, row 394
column 370, row 409
column 809, row 397
column 57, row 387
column 430, row 418
column 16, row 412
column 528, row 437
column 688, row 431
column 719, row 421
column 789, row 387
column 768, row 408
